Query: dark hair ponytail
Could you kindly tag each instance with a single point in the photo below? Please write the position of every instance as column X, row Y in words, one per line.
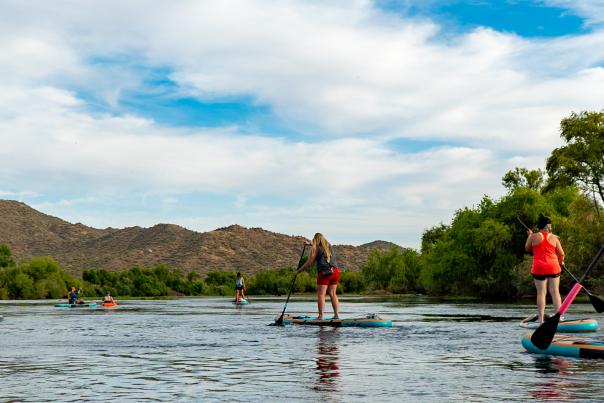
column 543, row 221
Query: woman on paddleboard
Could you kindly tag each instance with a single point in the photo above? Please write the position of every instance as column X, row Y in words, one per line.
column 239, row 287
column 548, row 255
column 328, row 273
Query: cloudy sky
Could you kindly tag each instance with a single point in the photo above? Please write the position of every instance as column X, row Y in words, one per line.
column 360, row 119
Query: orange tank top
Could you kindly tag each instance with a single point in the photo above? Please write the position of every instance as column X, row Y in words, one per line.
column 545, row 258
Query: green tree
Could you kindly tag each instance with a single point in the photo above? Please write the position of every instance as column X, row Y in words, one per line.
column 581, row 160
column 523, row 177
column 6, row 259
column 396, row 270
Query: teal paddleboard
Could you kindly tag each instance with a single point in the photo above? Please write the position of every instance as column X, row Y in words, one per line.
column 568, row 346
column 371, row 320
column 567, row 326
column 241, row 302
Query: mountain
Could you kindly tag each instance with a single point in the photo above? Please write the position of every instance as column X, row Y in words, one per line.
column 76, row 247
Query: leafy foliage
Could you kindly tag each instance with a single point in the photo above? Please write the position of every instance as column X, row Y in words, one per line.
column 6, row 258
column 581, row 160
column 522, row 177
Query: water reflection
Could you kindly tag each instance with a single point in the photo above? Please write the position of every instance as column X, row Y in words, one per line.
column 558, row 388
column 328, row 357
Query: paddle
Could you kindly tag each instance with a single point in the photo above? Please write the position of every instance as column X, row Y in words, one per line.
column 544, row 334
column 279, row 322
column 597, row 303
column 247, row 297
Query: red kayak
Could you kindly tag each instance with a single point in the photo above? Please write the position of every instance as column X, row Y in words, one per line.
column 109, row 304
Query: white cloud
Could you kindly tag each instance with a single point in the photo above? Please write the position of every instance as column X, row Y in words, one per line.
column 358, row 76
column 591, row 10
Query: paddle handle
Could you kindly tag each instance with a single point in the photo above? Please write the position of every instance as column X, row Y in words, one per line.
column 569, row 298
column 592, row 263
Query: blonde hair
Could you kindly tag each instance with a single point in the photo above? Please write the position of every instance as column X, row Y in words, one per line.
column 319, row 240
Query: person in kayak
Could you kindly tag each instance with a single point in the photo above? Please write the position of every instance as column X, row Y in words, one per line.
column 328, row 273
column 548, row 255
column 108, row 299
column 239, row 287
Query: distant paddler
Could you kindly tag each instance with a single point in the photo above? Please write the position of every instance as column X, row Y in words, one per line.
column 108, row 300
column 240, row 287
column 74, row 296
column 328, row 273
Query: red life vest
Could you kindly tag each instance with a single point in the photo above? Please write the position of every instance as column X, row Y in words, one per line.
column 545, row 258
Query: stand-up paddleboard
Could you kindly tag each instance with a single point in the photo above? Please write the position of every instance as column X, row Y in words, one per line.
column 565, row 326
column 371, row 320
column 569, row 346
column 241, row 302
column 90, row 305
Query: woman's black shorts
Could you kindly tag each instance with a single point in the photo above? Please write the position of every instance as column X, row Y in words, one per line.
column 542, row 277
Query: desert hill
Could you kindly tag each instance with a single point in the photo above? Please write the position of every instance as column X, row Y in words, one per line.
column 76, row 247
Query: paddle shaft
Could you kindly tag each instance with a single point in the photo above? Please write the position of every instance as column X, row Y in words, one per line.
column 523, row 224
column 577, row 287
column 592, row 263
column 291, row 287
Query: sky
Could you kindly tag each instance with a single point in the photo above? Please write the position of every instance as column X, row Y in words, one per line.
column 360, row 119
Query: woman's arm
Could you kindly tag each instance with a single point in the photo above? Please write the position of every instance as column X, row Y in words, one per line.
column 528, row 245
column 559, row 251
column 312, row 255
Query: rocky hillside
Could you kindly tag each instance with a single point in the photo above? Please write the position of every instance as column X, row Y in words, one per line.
column 76, row 247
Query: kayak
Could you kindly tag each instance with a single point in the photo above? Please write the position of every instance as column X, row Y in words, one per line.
column 90, row 305
column 109, row 304
column 371, row 320
column 241, row 302
column 566, row 326
column 569, row 346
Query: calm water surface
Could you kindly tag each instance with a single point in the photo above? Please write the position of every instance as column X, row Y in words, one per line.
column 206, row 349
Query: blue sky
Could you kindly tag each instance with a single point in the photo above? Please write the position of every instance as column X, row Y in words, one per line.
column 362, row 120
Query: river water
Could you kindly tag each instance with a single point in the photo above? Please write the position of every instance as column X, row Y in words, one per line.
column 205, row 349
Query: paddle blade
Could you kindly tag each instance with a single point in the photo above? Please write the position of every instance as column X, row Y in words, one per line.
column 544, row 334
column 278, row 322
column 597, row 303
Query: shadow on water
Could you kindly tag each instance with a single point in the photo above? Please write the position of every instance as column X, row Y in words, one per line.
column 466, row 318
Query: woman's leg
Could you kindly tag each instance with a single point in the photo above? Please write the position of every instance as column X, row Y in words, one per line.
column 541, row 286
column 553, row 286
column 335, row 304
column 321, row 290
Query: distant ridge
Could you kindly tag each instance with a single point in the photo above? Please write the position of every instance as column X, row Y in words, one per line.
column 76, row 247
column 383, row 245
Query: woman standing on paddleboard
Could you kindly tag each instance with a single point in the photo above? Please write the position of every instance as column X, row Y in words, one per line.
column 548, row 255
column 328, row 273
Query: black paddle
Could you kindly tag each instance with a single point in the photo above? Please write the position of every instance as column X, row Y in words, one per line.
column 542, row 337
column 279, row 322
column 597, row 303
